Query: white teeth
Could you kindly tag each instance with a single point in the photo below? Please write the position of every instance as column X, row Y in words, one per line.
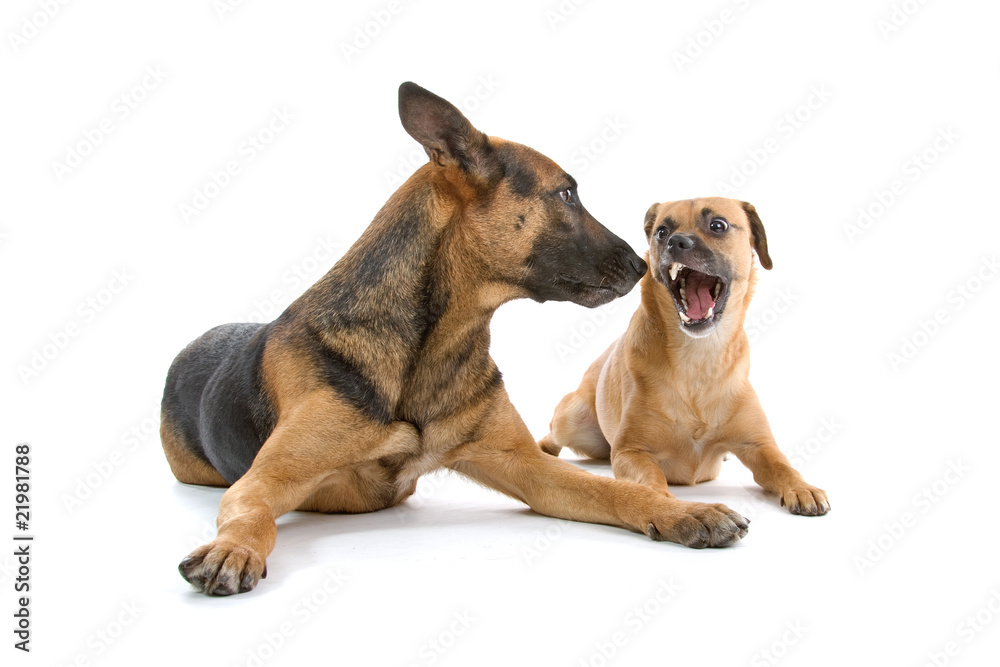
column 674, row 270
column 710, row 312
column 718, row 289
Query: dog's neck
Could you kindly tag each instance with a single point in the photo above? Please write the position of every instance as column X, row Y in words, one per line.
column 719, row 353
column 405, row 304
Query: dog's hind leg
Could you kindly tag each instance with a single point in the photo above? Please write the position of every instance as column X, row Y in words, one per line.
column 187, row 467
column 574, row 424
column 319, row 436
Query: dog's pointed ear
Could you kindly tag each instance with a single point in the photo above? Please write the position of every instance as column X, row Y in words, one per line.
column 758, row 236
column 651, row 219
column 446, row 134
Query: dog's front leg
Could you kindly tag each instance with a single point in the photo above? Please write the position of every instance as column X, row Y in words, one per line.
column 774, row 473
column 770, row 467
column 639, row 466
column 635, row 463
column 508, row 460
column 318, row 436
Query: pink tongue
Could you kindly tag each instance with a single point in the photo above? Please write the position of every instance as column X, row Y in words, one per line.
column 698, row 293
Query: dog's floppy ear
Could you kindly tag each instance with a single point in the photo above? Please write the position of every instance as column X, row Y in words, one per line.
column 650, row 219
column 446, row 134
column 759, row 238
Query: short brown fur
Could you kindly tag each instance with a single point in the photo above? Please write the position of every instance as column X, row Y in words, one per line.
column 666, row 407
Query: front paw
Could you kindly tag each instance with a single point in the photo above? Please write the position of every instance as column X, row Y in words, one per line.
column 700, row 525
column 223, row 568
column 805, row 500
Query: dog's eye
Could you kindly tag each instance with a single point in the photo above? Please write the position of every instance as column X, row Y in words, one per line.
column 567, row 196
column 718, row 225
column 661, row 233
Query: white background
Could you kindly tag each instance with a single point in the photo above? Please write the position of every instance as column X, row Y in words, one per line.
column 888, row 577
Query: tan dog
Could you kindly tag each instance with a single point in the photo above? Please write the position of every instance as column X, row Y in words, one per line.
column 671, row 397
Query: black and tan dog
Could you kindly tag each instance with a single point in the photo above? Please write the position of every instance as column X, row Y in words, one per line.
column 672, row 396
column 380, row 372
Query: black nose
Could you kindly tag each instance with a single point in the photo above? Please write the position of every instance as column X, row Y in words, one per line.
column 680, row 242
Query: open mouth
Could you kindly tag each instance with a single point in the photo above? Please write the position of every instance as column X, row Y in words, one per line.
column 699, row 297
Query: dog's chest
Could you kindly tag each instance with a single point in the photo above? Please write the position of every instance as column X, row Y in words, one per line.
column 689, row 447
column 434, row 447
column 693, row 420
column 691, row 454
column 417, row 466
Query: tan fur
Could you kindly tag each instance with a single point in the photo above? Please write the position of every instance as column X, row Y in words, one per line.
column 665, row 407
column 187, row 467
